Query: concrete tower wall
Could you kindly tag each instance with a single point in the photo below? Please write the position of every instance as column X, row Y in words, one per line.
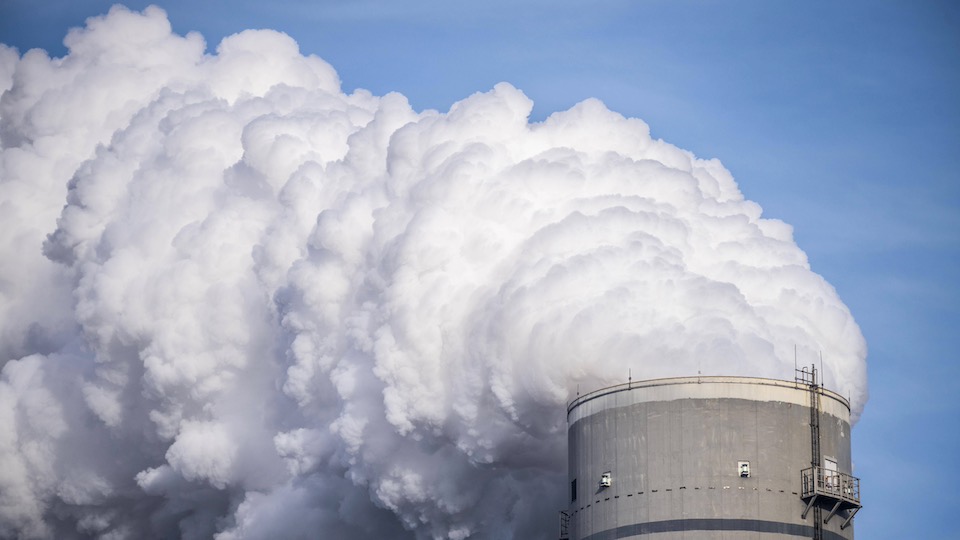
column 673, row 450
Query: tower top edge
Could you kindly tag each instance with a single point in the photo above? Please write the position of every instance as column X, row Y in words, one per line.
column 702, row 380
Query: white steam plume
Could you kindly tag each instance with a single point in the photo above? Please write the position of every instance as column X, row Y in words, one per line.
column 269, row 309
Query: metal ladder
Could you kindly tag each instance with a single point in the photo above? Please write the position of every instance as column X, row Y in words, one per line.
column 809, row 378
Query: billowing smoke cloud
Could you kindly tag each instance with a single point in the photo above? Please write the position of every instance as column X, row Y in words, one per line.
column 236, row 302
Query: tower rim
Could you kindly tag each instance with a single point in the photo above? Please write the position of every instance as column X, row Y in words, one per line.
column 700, row 380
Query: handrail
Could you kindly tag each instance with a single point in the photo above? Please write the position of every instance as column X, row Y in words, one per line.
column 820, row 481
column 564, row 525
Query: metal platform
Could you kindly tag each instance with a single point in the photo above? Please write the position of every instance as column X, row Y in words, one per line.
column 830, row 489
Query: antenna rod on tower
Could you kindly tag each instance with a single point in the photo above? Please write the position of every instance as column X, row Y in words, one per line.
column 822, row 374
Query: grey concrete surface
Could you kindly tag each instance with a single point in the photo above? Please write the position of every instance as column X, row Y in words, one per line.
column 673, row 448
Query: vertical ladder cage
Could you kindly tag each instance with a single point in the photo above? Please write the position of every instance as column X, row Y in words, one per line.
column 809, row 378
column 822, row 486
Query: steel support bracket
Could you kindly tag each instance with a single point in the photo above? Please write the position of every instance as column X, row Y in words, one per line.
column 809, row 506
column 833, row 512
column 850, row 517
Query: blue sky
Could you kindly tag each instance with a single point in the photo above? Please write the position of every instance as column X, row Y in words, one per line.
column 842, row 119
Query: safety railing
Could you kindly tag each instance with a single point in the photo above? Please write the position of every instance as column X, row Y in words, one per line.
column 840, row 486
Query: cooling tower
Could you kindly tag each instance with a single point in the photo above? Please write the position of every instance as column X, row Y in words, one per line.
column 711, row 458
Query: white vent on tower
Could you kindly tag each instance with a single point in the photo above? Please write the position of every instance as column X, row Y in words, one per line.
column 606, row 480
